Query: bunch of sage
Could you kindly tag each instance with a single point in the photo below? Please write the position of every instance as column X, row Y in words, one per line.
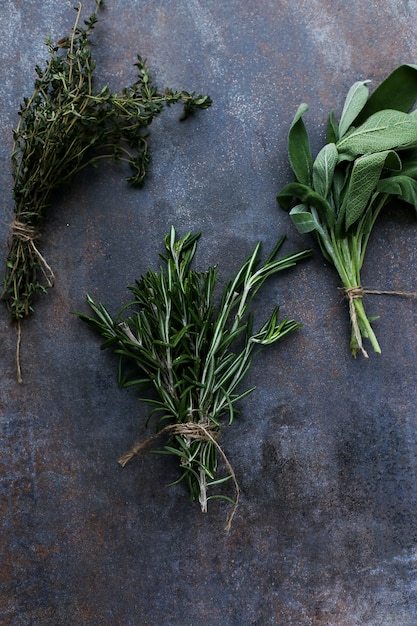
column 192, row 354
column 369, row 159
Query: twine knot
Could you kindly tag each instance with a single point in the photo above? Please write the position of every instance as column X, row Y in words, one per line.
column 357, row 292
column 28, row 233
column 192, row 431
column 24, row 232
column 354, row 292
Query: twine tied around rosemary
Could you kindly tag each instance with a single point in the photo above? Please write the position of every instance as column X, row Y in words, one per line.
column 192, row 431
column 358, row 292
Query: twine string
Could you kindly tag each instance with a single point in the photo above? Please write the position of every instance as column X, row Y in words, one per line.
column 353, row 293
column 192, row 431
column 358, row 292
column 18, row 342
column 23, row 231
column 26, row 232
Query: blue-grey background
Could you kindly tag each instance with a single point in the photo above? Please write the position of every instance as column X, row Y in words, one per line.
column 325, row 450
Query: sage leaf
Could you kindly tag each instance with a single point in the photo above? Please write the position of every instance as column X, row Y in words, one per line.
column 402, row 186
column 332, row 130
column 299, row 148
column 385, row 130
column 354, row 103
column 323, row 169
column 308, row 197
column 398, row 91
column 303, row 220
column 409, row 167
column 366, row 173
column 339, row 185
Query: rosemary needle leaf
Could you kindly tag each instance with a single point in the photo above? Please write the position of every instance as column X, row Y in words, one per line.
column 191, row 353
column 64, row 126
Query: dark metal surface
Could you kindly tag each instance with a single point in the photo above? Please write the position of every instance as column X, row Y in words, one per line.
column 325, row 450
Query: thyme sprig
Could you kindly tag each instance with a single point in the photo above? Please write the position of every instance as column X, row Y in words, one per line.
column 65, row 125
column 193, row 354
column 369, row 159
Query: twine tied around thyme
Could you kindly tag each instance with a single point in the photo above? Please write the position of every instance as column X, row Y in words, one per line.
column 192, row 431
column 358, row 292
column 27, row 233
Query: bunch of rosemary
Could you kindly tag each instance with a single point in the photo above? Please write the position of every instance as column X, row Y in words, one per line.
column 369, row 160
column 65, row 125
column 192, row 354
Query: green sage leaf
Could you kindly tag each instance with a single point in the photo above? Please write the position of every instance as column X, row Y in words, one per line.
column 332, row 131
column 398, row 91
column 299, row 148
column 323, row 169
column 409, row 167
column 404, row 187
column 385, row 130
column 303, row 220
column 366, row 173
column 354, row 103
column 308, row 197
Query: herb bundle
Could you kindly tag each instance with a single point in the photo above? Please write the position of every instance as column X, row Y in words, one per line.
column 192, row 354
column 369, row 159
column 65, row 125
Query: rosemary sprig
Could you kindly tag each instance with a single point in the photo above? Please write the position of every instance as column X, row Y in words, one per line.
column 194, row 355
column 65, row 125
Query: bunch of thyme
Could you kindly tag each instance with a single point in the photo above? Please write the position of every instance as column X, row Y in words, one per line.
column 65, row 125
column 192, row 354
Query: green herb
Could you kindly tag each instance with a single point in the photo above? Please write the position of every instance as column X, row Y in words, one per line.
column 369, row 159
column 192, row 354
column 65, row 125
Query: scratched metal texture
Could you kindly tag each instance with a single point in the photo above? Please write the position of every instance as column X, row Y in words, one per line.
column 325, row 449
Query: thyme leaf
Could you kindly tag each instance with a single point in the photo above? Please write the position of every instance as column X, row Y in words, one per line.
column 192, row 354
column 66, row 125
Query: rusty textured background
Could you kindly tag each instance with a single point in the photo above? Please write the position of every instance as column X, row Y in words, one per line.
column 325, row 450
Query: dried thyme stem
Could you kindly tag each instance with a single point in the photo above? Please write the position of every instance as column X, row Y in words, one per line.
column 64, row 126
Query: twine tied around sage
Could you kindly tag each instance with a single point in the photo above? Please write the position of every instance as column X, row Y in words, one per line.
column 192, row 431
column 358, row 292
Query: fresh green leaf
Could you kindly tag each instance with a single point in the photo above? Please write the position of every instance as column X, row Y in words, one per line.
column 401, row 186
column 398, row 91
column 363, row 181
column 339, row 185
column 409, row 164
column 299, row 148
column 303, row 219
column 354, row 103
column 323, row 169
column 385, row 130
column 309, row 197
column 332, row 131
